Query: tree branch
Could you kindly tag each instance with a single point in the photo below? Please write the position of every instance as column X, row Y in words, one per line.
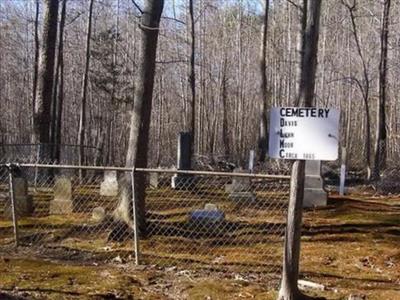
column 137, row 6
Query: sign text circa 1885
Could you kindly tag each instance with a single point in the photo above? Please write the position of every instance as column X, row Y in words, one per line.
column 309, row 133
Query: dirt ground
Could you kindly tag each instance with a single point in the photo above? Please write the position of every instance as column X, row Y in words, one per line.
column 351, row 247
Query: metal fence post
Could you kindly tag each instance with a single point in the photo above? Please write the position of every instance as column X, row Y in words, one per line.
column 13, row 204
column 36, row 169
column 134, row 219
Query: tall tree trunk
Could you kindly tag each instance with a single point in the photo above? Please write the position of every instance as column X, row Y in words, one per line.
column 289, row 289
column 380, row 137
column 36, row 62
column 263, row 135
column 57, row 92
column 82, row 115
column 44, row 93
column 140, row 117
column 300, row 48
column 60, row 100
column 192, row 78
column 224, row 97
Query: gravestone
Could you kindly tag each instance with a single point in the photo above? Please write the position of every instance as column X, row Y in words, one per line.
column 153, row 180
column 62, row 202
column 22, row 201
column 209, row 215
column 240, row 189
column 109, row 186
column 98, row 214
column 182, row 181
column 314, row 193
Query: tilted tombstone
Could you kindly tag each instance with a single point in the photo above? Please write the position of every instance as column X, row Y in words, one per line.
column 22, row 201
column 109, row 186
column 62, row 202
column 181, row 181
column 314, row 193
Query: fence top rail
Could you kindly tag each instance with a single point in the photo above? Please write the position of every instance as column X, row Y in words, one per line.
column 150, row 170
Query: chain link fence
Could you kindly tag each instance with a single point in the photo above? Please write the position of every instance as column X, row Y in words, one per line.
column 208, row 220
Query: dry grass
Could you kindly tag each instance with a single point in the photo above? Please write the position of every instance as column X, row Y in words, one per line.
column 351, row 246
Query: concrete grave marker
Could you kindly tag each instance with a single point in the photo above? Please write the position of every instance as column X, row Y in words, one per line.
column 181, row 181
column 23, row 201
column 109, row 186
column 98, row 214
column 240, row 188
column 62, row 202
column 153, row 180
column 314, row 193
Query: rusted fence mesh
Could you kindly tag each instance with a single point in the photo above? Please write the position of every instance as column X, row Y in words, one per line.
column 206, row 220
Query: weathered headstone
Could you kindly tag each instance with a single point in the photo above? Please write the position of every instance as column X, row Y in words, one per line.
column 62, row 202
column 153, row 180
column 209, row 215
column 109, row 186
column 240, row 189
column 98, row 214
column 23, row 202
column 182, row 181
column 314, row 193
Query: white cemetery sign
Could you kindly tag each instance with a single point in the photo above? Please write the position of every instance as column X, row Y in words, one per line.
column 308, row 133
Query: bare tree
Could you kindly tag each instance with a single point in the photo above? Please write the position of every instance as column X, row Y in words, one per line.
column 363, row 85
column 36, row 62
column 42, row 118
column 58, row 93
column 380, row 136
column 289, row 289
column 263, row 138
column 82, row 115
column 140, row 116
column 192, row 77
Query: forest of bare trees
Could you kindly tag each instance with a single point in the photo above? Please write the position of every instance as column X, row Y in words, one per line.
column 207, row 80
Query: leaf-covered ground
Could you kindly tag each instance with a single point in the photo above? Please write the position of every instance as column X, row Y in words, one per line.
column 351, row 247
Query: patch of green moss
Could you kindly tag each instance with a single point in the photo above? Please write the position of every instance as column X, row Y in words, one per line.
column 62, row 279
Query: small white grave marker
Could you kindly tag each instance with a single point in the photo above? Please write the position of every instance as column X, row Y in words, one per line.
column 343, row 173
column 109, row 186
